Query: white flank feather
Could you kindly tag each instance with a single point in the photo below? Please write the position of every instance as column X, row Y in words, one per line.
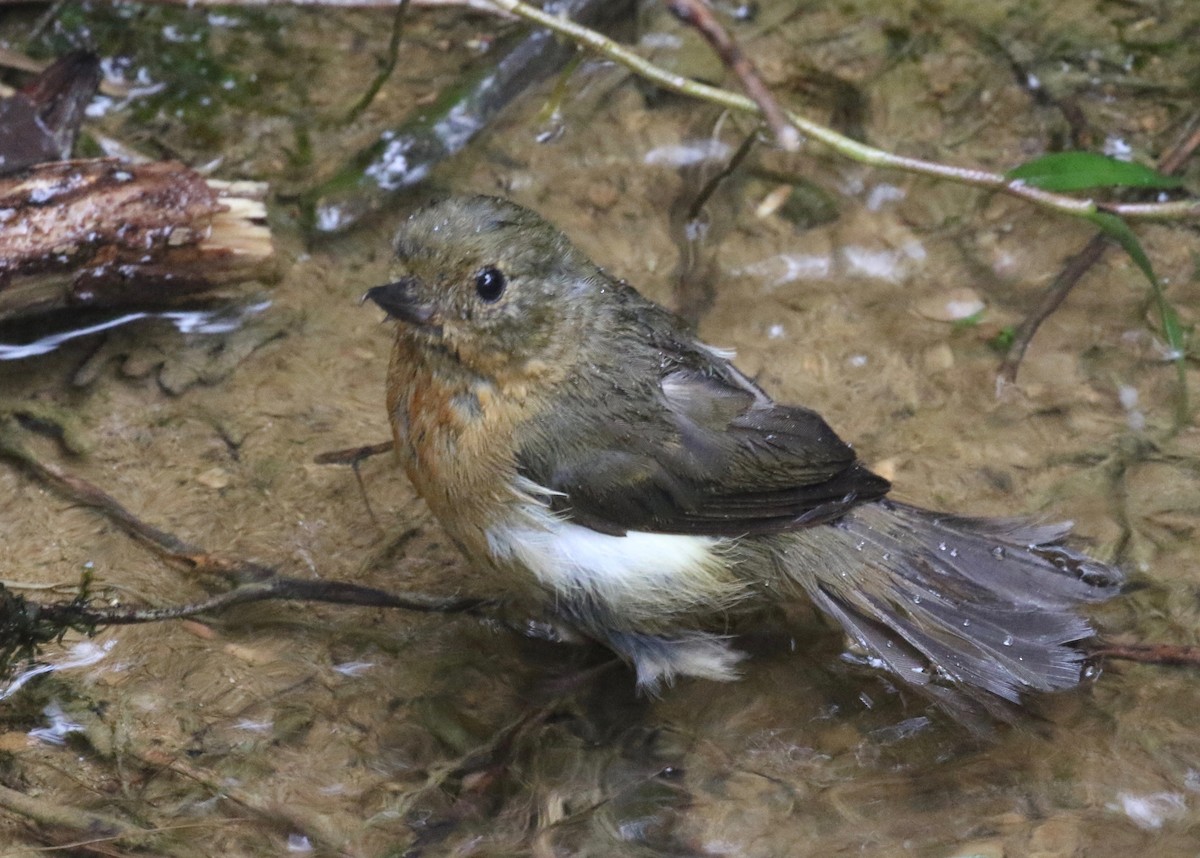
column 636, row 575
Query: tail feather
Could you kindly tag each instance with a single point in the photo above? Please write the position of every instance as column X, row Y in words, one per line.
column 984, row 606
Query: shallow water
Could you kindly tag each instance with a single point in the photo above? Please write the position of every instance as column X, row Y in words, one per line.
column 298, row 728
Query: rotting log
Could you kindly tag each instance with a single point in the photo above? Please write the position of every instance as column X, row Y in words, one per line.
column 102, row 233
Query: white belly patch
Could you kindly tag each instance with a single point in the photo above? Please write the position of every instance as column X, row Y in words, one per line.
column 639, row 574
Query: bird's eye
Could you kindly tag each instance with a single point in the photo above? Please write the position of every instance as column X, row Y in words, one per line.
column 490, row 283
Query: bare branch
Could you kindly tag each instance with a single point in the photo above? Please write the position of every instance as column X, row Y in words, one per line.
column 697, row 14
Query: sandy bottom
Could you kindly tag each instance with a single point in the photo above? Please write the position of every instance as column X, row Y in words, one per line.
column 334, row 730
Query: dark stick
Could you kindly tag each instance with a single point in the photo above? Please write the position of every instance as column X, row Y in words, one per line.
column 1177, row 655
column 1055, row 294
column 710, row 187
column 352, row 455
column 277, row 587
column 389, row 64
column 697, row 14
column 1172, row 162
column 166, row 545
column 697, row 237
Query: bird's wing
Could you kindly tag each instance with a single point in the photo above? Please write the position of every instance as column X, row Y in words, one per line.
column 711, row 454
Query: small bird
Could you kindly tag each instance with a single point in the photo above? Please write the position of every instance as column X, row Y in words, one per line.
column 579, row 441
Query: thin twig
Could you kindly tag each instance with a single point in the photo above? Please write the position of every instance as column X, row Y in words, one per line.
column 389, row 63
column 166, row 545
column 1175, row 655
column 852, row 149
column 697, row 14
column 710, row 187
column 1175, row 159
column 278, row 588
column 1081, row 132
column 1055, row 294
column 352, row 455
column 697, row 236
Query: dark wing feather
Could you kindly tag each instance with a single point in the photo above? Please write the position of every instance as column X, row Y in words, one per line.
column 697, row 449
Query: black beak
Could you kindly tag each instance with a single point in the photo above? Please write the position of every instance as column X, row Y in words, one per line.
column 398, row 299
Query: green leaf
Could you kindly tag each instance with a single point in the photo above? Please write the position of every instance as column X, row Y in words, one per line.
column 1118, row 230
column 1078, row 171
column 1172, row 329
column 1003, row 340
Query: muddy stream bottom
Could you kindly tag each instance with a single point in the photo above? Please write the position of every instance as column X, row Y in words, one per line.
column 327, row 730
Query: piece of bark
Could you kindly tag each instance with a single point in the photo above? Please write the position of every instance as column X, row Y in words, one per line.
column 100, row 233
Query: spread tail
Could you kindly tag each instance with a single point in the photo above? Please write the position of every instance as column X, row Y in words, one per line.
column 970, row 610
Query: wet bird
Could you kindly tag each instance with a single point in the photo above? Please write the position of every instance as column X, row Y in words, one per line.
column 578, row 441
